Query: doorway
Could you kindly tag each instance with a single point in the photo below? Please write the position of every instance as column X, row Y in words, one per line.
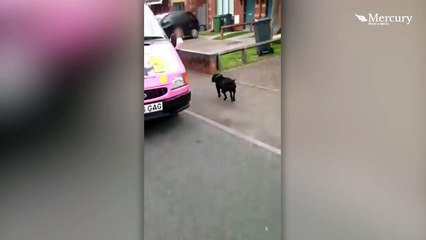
column 249, row 10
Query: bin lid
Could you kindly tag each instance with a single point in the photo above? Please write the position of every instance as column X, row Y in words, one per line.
column 261, row 21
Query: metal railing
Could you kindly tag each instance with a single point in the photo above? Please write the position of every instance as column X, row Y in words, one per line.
column 243, row 50
column 222, row 28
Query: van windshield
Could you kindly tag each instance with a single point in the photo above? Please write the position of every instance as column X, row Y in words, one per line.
column 151, row 26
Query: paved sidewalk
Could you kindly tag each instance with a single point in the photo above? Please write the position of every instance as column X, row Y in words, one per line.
column 206, row 45
column 257, row 111
column 266, row 73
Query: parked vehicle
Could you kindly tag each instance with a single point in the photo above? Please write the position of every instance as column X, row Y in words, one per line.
column 185, row 20
column 166, row 86
column 161, row 16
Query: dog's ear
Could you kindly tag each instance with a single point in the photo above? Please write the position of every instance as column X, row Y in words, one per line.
column 216, row 76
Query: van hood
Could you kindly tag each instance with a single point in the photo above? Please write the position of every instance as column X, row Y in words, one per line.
column 160, row 58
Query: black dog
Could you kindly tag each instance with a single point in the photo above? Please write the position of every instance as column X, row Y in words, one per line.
column 225, row 84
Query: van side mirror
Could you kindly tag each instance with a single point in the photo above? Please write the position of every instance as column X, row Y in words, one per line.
column 173, row 40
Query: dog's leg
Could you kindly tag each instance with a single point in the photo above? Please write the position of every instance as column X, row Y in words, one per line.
column 224, row 93
column 233, row 95
column 218, row 91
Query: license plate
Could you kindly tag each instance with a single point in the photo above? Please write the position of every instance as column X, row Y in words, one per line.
column 153, row 107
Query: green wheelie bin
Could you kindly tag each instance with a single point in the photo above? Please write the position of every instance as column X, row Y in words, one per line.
column 262, row 32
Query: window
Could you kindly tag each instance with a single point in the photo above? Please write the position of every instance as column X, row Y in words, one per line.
column 224, row 7
column 179, row 6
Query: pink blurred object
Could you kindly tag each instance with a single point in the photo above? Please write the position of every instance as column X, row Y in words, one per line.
column 42, row 38
column 64, row 29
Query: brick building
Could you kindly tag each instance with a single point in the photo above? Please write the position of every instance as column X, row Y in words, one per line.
column 177, row 5
column 159, row 6
column 205, row 10
column 242, row 10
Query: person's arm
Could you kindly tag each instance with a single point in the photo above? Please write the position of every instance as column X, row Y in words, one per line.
column 179, row 42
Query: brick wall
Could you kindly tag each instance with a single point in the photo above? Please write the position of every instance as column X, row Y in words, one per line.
column 170, row 5
column 260, row 9
column 192, row 5
column 189, row 5
column 239, row 10
column 161, row 8
column 211, row 10
column 198, row 62
column 279, row 13
column 278, row 20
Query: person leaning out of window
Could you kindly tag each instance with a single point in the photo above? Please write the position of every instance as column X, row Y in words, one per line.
column 179, row 37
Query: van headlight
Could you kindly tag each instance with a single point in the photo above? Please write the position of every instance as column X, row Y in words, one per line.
column 179, row 81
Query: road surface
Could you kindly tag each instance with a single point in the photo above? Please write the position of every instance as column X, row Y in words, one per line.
column 204, row 182
column 257, row 109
